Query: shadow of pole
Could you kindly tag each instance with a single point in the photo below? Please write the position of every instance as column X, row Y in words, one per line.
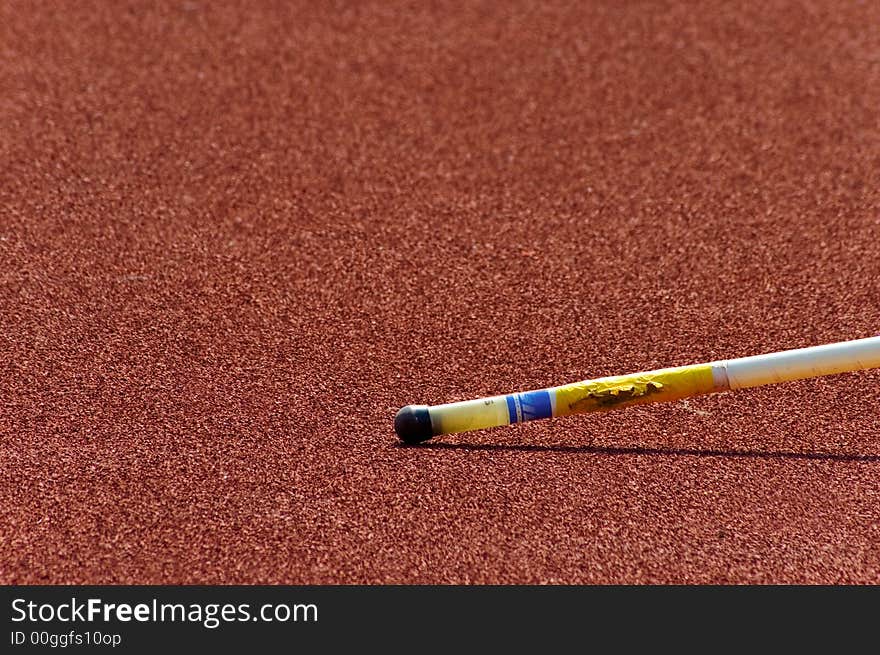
column 662, row 452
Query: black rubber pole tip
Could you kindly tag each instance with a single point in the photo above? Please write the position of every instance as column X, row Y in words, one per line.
column 413, row 424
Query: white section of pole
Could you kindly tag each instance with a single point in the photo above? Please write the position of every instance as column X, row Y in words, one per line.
column 802, row 363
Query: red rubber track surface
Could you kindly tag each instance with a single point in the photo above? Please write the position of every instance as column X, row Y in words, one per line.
column 236, row 237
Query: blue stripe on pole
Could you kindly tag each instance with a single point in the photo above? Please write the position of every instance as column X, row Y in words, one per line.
column 511, row 409
column 535, row 405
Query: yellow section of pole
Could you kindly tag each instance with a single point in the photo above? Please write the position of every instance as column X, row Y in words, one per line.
column 657, row 386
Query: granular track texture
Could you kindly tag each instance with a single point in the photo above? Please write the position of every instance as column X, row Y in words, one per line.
column 235, row 237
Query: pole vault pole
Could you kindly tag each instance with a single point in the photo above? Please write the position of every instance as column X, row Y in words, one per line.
column 417, row 423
